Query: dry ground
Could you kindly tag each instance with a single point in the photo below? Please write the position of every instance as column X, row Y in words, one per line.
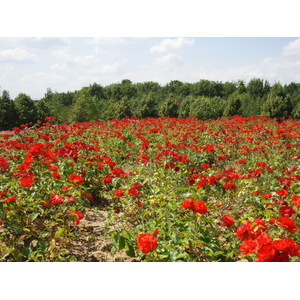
column 92, row 243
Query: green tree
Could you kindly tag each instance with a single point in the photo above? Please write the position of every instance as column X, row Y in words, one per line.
column 204, row 108
column 170, row 107
column 233, row 106
column 147, row 107
column 122, row 109
column 43, row 109
column 82, row 110
column 278, row 105
column 241, row 87
column 255, row 87
column 229, row 88
column 185, row 106
column 97, row 90
column 8, row 113
column 26, row 109
column 91, row 106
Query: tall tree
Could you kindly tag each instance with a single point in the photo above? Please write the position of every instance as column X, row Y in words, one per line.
column 26, row 109
column 170, row 107
column 278, row 104
column 147, row 107
column 8, row 112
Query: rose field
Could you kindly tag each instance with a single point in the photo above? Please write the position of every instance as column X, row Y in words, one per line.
column 225, row 190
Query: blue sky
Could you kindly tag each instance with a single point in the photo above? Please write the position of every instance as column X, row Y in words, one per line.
column 66, row 47
column 31, row 65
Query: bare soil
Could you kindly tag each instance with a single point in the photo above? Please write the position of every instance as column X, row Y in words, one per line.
column 93, row 244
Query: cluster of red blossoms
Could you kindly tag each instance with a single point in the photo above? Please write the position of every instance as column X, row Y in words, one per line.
column 255, row 239
column 79, row 216
column 227, row 220
column 199, row 206
column 147, row 242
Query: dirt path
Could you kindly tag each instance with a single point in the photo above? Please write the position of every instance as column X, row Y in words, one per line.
column 93, row 243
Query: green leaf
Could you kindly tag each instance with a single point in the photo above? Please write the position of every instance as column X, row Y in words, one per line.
column 130, row 251
column 122, row 242
column 59, row 232
column 44, row 234
column 34, row 216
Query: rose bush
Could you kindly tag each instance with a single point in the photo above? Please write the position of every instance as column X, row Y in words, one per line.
column 183, row 189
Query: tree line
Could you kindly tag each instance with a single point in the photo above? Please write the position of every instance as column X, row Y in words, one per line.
column 204, row 99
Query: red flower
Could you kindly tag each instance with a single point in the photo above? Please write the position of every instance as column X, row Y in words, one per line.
column 4, row 167
column 56, row 175
column 137, row 185
column 267, row 196
column 134, row 192
column 107, row 179
column 79, row 215
column 251, row 230
column 248, row 246
column 56, row 199
column 227, row 220
column 230, row 186
column 66, row 188
column 10, row 199
column 287, row 223
column 255, row 193
column 272, row 221
column 119, row 193
column 1, row 222
column 77, row 179
column 72, row 199
column 286, row 211
column 188, row 204
column 287, row 245
column 296, row 200
column 205, row 166
column 199, row 206
column 27, row 181
column 155, row 231
column 146, row 242
column 266, row 253
column 282, row 193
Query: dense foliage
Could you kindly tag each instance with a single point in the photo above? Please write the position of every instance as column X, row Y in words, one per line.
column 177, row 189
column 203, row 99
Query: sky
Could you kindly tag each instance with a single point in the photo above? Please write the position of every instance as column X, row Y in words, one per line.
column 30, row 65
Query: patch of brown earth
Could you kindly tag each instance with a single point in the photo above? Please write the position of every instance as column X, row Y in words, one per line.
column 92, row 243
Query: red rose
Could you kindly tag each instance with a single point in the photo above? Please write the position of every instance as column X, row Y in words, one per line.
column 146, row 242
column 76, row 178
column 282, row 193
column 119, row 193
column 287, row 223
column 286, row 211
column 296, row 200
column 227, row 220
column 199, row 206
column 230, row 186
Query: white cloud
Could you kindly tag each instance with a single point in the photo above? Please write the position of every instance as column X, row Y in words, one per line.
column 17, row 55
column 112, row 68
column 168, row 45
column 170, row 58
column 293, row 48
column 86, row 61
column 98, row 50
column 61, row 53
